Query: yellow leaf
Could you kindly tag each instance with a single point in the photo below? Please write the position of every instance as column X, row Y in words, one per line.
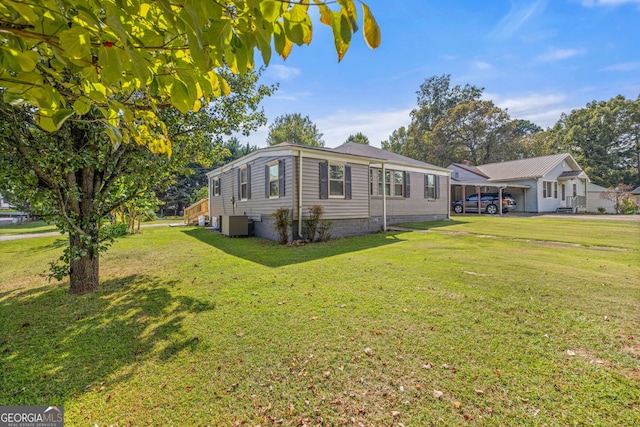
column 371, row 31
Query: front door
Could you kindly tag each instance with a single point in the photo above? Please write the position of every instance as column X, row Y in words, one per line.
column 563, row 192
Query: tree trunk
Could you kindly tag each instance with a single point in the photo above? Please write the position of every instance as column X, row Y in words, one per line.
column 83, row 271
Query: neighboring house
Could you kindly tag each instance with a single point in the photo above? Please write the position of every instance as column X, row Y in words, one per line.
column 596, row 201
column 3, row 203
column 635, row 194
column 539, row 184
column 347, row 181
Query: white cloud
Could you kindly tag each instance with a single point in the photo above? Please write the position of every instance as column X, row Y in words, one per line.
column 519, row 14
column 624, row 66
column 376, row 125
column 555, row 55
column 282, row 72
column 595, row 3
column 539, row 108
column 481, row 65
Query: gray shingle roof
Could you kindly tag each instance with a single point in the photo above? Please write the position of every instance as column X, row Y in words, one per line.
column 365, row 150
column 526, row 168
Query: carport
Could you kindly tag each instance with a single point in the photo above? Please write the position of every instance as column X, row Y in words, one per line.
column 460, row 189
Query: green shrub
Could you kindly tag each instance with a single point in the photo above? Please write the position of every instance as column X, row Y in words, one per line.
column 312, row 222
column 282, row 218
column 627, row 206
column 324, row 227
column 114, row 230
column 602, row 210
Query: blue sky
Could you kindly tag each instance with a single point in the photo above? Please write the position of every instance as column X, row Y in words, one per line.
column 538, row 59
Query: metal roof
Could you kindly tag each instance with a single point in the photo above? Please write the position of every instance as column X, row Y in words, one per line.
column 535, row 167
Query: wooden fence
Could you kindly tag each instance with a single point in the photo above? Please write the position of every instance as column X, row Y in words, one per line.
column 196, row 210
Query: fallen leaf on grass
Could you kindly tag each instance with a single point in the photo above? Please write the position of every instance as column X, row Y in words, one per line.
column 368, row 351
column 571, row 353
column 239, row 334
column 395, row 414
column 479, row 392
column 189, row 388
column 457, row 405
column 427, row 366
column 437, row 394
column 314, row 318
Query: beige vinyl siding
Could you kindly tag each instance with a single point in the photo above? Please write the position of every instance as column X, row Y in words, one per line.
column 258, row 203
column 415, row 204
column 335, row 208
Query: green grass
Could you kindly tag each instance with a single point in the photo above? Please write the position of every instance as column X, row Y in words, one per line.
column 190, row 328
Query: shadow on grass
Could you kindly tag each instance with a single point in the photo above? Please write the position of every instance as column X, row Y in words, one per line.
column 54, row 346
column 272, row 254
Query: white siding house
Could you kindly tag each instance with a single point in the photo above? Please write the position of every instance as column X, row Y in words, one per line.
column 539, row 184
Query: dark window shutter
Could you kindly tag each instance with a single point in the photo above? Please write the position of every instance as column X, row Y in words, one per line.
column 248, row 182
column 426, row 186
column 324, row 180
column 347, row 181
column 437, row 186
column 239, row 186
column 407, row 184
column 281, row 178
column 267, row 190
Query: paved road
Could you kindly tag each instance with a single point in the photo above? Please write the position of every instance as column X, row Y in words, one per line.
column 57, row 233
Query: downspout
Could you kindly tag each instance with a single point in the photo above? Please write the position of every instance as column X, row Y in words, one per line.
column 449, row 198
column 384, row 198
column 300, row 196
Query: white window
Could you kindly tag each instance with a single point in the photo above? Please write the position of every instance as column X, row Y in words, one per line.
column 274, row 181
column 216, row 186
column 371, row 182
column 549, row 190
column 430, row 186
column 398, row 184
column 244, row 194
column 336, row 180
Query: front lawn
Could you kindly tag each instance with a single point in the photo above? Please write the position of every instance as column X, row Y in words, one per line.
column 447, row 326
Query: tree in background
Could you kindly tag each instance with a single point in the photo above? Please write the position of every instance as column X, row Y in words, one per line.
column 96, row 74
column 295, row 129
column 359, row 137
column 396, row 142
column 435, row 98
column 477, row 131
column 604, row 137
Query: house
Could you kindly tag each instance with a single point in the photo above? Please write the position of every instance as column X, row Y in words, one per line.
column 347, row 181
column 595, row 201
column 540, row 184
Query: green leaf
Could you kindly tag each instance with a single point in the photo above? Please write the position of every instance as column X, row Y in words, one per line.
column 114, row 134
column 81, row 107
column 110, row 65
column 271, row 10
column 27, row 12
column 27, row 60
column 371, row 31
column 60, row 116
column 180, row 97
column 76, row 42
column 338, row 21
